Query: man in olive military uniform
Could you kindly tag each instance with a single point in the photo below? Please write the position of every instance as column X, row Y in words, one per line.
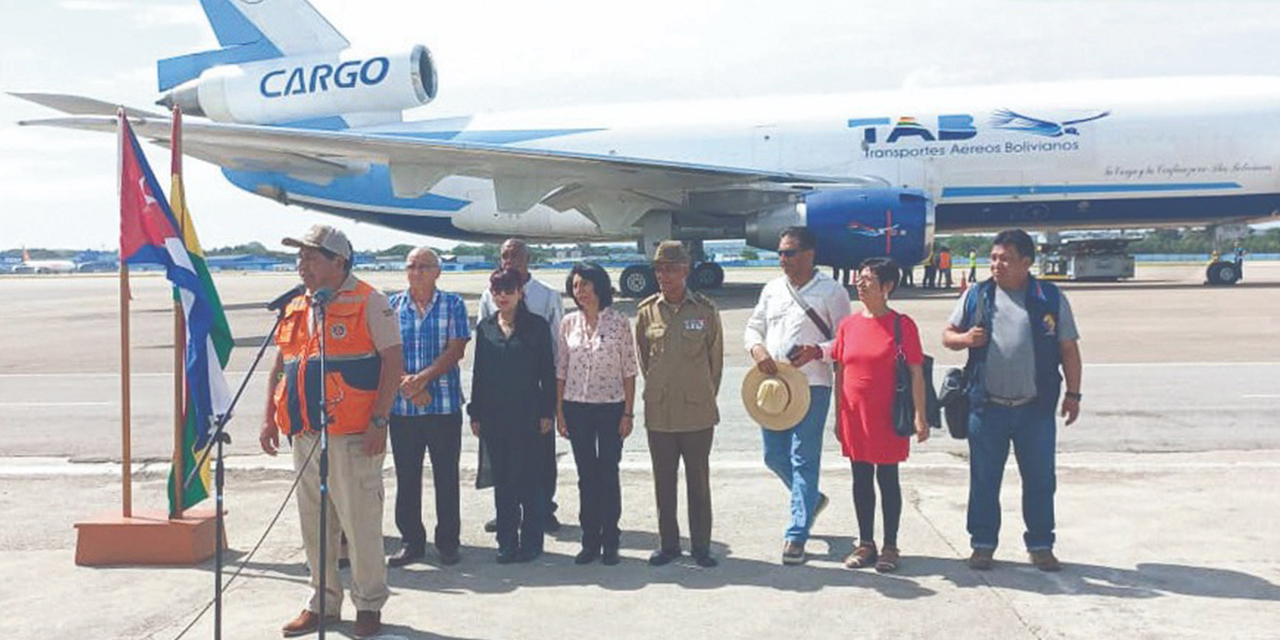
column 681, row 349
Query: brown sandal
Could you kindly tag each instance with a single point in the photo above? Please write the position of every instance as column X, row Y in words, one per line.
column 861, row 557
column 888, row 562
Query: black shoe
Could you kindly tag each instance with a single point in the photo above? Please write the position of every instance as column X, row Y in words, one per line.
column 491, row 526
column 450, row 557
column 527, row 555
column 586, row 556
column 407, row 554
column 663, row 556
column 610, row 557
column 508, row 557
column 552, row 525
column 704, row 558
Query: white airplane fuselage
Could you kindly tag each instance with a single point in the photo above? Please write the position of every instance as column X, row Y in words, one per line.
column 1145, row 153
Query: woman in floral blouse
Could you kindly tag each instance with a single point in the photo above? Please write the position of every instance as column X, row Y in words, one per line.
column 596, row 382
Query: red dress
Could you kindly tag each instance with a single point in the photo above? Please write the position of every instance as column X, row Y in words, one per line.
column 864, row 412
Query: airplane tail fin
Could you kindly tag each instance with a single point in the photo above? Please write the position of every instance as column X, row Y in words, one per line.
column 254, row 30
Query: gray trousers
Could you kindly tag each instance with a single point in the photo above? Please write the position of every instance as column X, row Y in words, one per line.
column 666, row 449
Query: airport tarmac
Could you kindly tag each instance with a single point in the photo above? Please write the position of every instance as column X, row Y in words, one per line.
column 1167, row 506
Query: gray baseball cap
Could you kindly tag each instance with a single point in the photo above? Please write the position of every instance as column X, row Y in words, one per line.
column 322, row 236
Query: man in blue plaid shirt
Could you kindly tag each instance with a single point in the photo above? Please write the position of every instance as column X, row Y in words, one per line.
column 427, row 415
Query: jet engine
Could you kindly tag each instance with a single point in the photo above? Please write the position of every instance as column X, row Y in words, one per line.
column 299, row 88
column 854, row 224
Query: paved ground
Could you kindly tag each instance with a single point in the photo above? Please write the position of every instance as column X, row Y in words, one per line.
column 1167, row 508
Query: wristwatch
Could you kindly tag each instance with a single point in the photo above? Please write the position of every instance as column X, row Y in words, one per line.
column 1073, row 395
column 381, row 422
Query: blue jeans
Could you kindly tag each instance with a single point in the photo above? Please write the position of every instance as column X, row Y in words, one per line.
column 1032, row 429
column 795, row 455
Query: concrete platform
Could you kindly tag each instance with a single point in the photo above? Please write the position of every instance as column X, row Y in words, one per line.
column 1167, row 508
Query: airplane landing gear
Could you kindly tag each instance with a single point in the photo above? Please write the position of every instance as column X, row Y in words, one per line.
column 1222, row 273
column 638, row 281
column 706, row 275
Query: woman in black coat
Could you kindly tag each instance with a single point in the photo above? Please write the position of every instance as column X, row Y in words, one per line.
column 513, row 400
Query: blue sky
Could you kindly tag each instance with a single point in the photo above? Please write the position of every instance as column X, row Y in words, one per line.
column 57, row 188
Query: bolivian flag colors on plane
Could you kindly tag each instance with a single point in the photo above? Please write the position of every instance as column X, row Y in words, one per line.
column 149, row 234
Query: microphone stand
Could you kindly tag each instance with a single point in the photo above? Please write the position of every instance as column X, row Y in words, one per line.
column 324, row 456
column 220, row 436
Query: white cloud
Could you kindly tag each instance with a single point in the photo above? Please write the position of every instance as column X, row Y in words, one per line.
column 94, row 5
column 168, row 16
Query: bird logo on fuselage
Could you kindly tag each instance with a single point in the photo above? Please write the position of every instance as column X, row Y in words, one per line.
column 1013, row 121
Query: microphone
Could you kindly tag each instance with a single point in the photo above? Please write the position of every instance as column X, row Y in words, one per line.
column 322, row 297
column 285, row 298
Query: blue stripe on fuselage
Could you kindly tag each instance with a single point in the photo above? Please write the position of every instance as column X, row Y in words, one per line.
column 372, row 187
column 425, row 224
column 1104, row 213
column 1069, row 189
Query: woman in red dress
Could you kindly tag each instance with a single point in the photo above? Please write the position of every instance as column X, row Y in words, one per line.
column 865, row 356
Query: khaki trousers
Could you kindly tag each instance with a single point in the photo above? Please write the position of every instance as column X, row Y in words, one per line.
column 666, row 449
column 355, row 506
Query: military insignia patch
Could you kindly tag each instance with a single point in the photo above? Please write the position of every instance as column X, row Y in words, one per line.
column 338, row 331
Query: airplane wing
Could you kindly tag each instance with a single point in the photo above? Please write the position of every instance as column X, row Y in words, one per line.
column 612, row 190
column 81, row 106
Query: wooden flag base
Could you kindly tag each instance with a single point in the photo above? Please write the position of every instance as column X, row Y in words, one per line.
column 147, row 539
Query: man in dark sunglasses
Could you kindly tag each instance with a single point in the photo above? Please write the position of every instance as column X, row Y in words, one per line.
column 795, row 317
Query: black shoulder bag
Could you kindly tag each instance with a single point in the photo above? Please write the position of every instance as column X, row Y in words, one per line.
column 955, row 384
column 904, row 405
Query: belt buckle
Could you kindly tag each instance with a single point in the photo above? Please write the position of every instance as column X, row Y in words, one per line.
column 1009, row 402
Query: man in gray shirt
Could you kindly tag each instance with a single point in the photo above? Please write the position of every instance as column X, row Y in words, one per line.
column 1023, row 344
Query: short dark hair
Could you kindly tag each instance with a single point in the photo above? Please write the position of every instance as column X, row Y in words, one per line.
column 505, row 280
column 802, row 235
column 599, row 279
column 886, row 270
column 1018, row 239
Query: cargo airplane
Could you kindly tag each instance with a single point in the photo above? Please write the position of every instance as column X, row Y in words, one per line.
column 295, row 114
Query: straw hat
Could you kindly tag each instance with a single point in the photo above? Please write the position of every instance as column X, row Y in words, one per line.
column 777, row 402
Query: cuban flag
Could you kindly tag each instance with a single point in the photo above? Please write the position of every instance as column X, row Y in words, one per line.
column 149, row 234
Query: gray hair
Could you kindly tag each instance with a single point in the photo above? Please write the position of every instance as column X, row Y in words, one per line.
column 435, row 257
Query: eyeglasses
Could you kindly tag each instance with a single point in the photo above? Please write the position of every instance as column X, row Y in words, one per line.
column 790, row 253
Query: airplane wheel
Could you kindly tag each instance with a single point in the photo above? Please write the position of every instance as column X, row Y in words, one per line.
column 706, row 275
column 1222, row 273
column 638, row 281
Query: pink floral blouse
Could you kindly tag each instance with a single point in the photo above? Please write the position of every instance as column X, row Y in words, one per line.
column 593, row 364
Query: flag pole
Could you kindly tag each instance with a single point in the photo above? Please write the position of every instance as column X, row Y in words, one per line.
column 126, row 457
column 179, row 340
